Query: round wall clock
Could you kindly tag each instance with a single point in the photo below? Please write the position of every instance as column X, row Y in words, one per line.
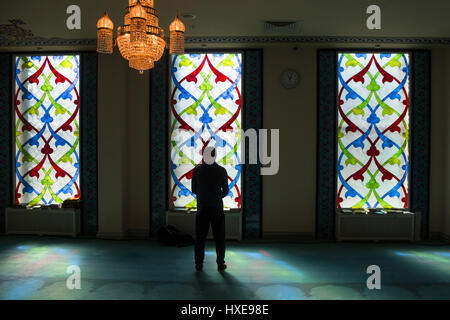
column 290, row 79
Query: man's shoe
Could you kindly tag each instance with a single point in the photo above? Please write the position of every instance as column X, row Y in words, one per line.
column 221, row 267
column 199, row 267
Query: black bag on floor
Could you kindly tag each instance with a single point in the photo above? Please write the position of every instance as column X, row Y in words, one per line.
column 174, row 237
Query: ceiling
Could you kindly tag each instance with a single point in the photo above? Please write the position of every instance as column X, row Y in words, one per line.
column 399, row 18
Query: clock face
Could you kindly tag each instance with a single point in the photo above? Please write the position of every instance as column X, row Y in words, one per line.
column 290, row 79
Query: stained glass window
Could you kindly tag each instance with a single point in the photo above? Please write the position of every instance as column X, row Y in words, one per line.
column 205, row 110
column 46, row 104
column 373, row 130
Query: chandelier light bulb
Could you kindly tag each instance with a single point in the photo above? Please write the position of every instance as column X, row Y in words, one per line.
column 105, row 34
column 176, row 29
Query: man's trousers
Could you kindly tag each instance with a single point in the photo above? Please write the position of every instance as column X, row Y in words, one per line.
column 216, row 218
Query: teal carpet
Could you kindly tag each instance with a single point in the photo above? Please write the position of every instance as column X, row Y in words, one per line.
column 35, row 268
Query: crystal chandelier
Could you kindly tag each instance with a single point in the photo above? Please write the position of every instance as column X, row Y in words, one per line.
column 140, row 39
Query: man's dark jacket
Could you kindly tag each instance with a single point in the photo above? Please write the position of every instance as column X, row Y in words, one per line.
column 210, row 184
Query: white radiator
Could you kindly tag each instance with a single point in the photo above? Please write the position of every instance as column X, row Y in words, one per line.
column 42, row 221
column 391, row 226
column 186, row 222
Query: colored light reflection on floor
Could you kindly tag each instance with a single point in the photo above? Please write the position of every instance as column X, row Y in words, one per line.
column 261, row 265
column 35, row 268
column 438, row 259
column 30, row 265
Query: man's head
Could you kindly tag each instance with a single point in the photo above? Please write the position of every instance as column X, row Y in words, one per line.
column 209, row 155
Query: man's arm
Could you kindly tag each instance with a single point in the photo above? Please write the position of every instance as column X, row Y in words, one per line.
column 225, row 189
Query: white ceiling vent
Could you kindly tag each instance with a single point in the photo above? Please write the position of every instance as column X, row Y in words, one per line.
column 281, row 27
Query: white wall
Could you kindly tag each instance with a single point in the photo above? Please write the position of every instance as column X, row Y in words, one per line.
column 112, row 186
column 289, row 197
column 137, row 151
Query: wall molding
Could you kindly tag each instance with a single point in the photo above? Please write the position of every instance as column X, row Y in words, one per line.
column 92, row 42
column 420, row 130
column 128, row 235
column 158, row 144
column 47, row 42
column 446, row 237
column 326, row 144
column 89, row 143
column 252, row 118
column 112, row 235
column 289, row 236
column 439, row 236
column 317, row 39
column 138, row 233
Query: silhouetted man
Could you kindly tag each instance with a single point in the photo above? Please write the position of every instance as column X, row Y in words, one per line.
column 210, row 184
